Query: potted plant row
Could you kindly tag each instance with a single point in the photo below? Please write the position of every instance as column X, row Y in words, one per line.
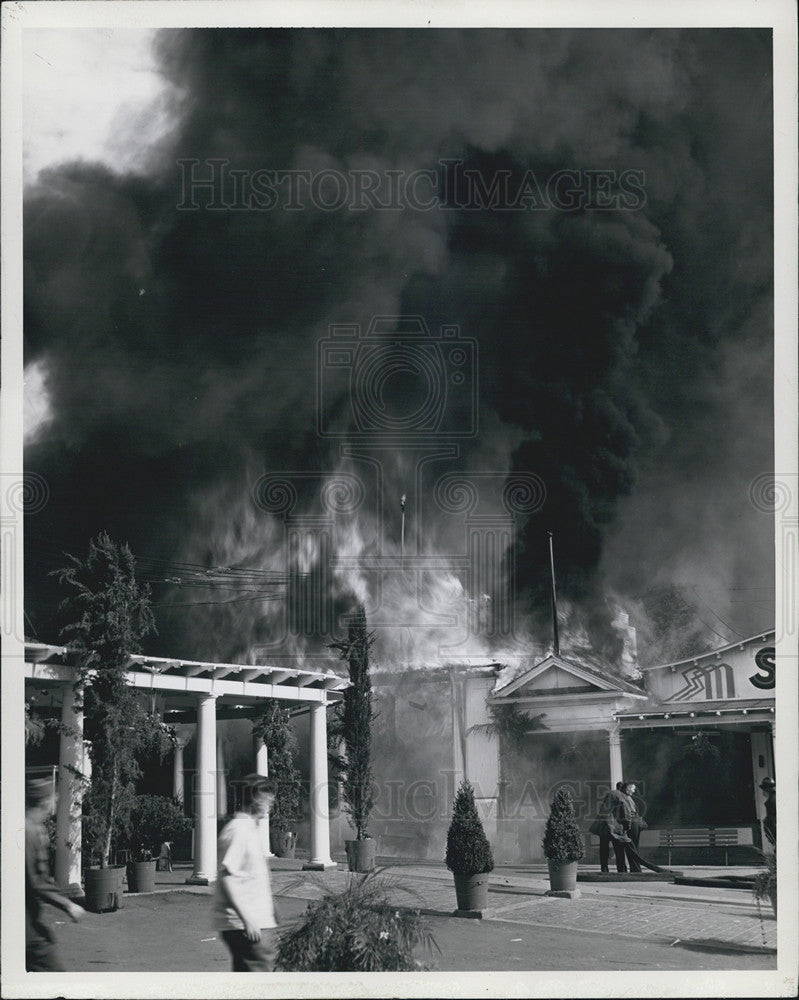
column 469, row 855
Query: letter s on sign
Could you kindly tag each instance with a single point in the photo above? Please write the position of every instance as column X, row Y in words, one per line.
column 765, row 661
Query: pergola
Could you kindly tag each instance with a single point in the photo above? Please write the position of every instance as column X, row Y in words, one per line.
column 189, row 688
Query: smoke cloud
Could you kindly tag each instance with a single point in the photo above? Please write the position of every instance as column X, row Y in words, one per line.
column 623, row 353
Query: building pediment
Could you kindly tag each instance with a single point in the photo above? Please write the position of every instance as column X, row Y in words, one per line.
column 555, row 676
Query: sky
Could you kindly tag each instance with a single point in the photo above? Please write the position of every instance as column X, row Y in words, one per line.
column 585, row 214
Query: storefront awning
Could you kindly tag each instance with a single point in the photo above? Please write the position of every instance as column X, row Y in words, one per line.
column 723, row 712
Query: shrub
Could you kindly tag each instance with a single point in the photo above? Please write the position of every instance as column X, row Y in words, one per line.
column 765, row 882
column 153, row 819
column 563, row 841
column 468, row 850
column 276, row 731
column 358, row 929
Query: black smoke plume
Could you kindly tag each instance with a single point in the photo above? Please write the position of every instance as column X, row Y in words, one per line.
column 624, row 353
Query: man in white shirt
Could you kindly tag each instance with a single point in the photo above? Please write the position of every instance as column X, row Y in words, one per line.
column 244, row 909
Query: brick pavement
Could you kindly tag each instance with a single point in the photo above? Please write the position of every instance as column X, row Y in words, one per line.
column 660, row 911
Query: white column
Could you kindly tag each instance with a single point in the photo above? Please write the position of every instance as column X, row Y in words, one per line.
column 205, row 794
column 221, row 778
column 320, row 819
column 177, row 771
column 70, row 791
column 87, row 765
column 262, row 767
column 614, row 746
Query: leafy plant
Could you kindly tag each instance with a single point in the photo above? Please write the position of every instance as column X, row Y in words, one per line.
column 510, row 725
column 34, row 727
column 699, row 748
column 355, row 724
column 153, row 819
column 110, row 617
column 276, row 731
column 468, row 850
column 563, row 841
column 764, row 884
column 357, row 929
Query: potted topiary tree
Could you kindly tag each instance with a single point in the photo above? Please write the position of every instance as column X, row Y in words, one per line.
column 153, row 819
column 563, row 843
column 355, row 727
column 469, row 856
column 110, row 615
column 276, row 731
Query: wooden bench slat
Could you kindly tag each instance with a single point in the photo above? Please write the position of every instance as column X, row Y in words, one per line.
column 731, row 836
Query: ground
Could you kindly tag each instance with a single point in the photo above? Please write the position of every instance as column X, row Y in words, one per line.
column 612, row 926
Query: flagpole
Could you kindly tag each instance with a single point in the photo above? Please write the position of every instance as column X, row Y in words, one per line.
column 402, row 540
column 556, row 643
column 402, row 570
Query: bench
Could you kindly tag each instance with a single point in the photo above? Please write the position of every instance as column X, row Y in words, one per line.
column 410, row 838
column 698, row 836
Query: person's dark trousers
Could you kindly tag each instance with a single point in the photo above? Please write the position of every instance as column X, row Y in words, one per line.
column 252, row 956
column 604, row 849
column 41, row 954
column 619, row 851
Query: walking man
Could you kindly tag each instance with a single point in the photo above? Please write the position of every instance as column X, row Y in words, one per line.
column 244, row 908
column 41, row 951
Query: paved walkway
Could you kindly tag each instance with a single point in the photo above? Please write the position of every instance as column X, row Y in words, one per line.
column 708, row 917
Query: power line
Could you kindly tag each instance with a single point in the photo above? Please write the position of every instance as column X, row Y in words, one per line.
column 233, row 600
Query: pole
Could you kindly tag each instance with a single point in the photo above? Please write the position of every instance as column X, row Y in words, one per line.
column 402, row 569
column 402, row 538
column 556, row 642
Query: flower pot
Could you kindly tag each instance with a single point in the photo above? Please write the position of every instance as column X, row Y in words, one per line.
column 562, row 875
column 360, row 854
column 283, row 843
column 103, row 888
column 471, row 891
column 141, row 876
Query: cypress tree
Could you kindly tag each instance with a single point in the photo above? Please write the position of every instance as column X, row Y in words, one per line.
column 355, row 724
